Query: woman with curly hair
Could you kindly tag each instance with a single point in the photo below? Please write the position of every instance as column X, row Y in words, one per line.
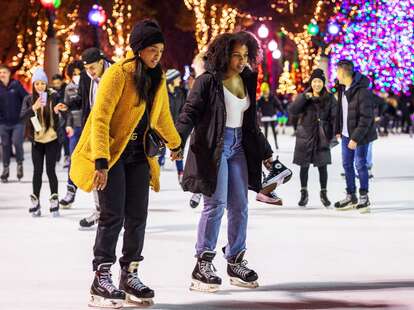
column 226, row 153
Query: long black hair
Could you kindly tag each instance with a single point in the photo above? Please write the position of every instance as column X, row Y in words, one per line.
column 45, row 113
column 147, row 80
column 217, row 58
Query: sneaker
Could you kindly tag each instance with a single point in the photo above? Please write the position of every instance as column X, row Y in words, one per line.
column 270, row 198
column 278, row 174
column 350, row 202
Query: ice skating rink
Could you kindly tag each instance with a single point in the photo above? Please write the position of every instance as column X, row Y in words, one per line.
column 309, row 258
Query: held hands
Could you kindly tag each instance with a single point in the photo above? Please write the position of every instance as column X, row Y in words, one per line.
column 268, row 163
column 60, row 107
column 177, row 155
column 352, row 145
column 100, row 179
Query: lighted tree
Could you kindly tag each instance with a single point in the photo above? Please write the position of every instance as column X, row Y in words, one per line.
column 286, row 83
column 377, row 35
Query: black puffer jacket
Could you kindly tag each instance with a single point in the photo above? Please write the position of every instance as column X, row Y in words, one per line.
column 205, row 112
column 361, row 119
column 269, row 107
column 315, row 128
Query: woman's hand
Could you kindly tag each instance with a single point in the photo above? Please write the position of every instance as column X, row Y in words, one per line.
column 37, row 105
column 177, row 155
column 60, row 107
column 268, row 163
column 69, row 131
column 100, row 179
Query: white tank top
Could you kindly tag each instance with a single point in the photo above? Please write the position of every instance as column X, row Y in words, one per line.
column 235, row 108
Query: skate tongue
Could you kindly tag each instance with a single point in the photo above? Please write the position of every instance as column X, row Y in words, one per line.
column 133, row 266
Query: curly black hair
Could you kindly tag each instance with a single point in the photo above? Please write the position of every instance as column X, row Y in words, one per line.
column 219, row 51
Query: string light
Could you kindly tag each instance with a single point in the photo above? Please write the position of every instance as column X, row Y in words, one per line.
column 119, row 30
column 377, row 36
column 286, row 83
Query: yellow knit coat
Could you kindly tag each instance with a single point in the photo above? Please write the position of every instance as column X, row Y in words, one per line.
column 112, row 121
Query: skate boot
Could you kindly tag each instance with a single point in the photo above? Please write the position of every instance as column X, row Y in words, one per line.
column 136, row 292
column 54, row 205
column 35, row 209
column 204, row 278
column 324, row 198
column 363, row 205
column 239, row 273
column 104, row 294
column 66, row 203
column 89, row 222
column 195, row 200
column 19, row 171
column 270, row 198
column 348, row 203
column 5, row 175
column 279, row 174
column 304, row 197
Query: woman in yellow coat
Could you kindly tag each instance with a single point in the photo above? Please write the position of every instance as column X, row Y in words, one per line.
column 132, row 98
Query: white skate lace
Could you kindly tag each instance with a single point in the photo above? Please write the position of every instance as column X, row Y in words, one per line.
column 207, row 269
column 93, row 218
column 135, row 283
column 105, row 281
column 241, row 268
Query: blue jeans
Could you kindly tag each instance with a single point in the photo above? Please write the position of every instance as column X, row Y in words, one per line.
column 12, row 135
column 73, row 141
column 369, row 156
column 359, row 157
column 231, row 193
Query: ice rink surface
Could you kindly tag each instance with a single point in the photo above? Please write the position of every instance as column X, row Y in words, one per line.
column 309, row 258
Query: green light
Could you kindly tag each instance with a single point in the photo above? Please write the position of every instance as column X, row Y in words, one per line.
column 57, row 3
column 313, row 29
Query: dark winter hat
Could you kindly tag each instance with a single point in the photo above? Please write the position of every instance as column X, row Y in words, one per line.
column 144, row 34
column 92, row 55
column 317, row 74
column 172, row 74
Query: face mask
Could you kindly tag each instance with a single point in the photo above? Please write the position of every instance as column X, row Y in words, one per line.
column 76, row 79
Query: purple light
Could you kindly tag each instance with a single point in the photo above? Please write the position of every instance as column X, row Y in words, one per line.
column 333, row 29
column 97, row 16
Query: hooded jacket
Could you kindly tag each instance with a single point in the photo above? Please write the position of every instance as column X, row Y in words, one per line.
column 361, row 118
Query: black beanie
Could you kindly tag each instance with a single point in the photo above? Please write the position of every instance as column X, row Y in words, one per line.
column 144, row 34
column 317, row 74
column 92, row 55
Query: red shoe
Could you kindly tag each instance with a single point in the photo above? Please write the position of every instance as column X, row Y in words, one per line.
column 270, row 198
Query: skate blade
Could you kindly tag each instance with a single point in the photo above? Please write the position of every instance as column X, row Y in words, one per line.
column 90, row 228
column 132, row 301
column 55, row 214
column 365, row 210
column 36, row 214
column 101, row 302
column 351, row 207
column 69, row 206
column 203, row 287
column 241, row 283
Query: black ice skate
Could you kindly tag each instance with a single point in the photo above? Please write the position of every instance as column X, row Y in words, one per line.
column 88, row 222
column 363, row 205
column 304, row 197
column 204, row 278
column 54, row 205
column 136, row 292
column 5, row 175
column 104, row 294
column 35, row 209
column 348, row 203
column 66, row 203
column 240, row 274
column 324, row 198
column 195, row 200
column 279, row 174
column 19, row 171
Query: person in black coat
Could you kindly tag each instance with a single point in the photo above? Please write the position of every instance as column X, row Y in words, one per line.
column 226, row 153
column 355, row 123
column 12, row 94
column 316, row 111
column 268, row 107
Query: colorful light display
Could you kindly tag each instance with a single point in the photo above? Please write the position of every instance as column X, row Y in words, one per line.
column 377, row 35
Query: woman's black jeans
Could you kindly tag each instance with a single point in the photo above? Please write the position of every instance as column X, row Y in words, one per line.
column 124, row 203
